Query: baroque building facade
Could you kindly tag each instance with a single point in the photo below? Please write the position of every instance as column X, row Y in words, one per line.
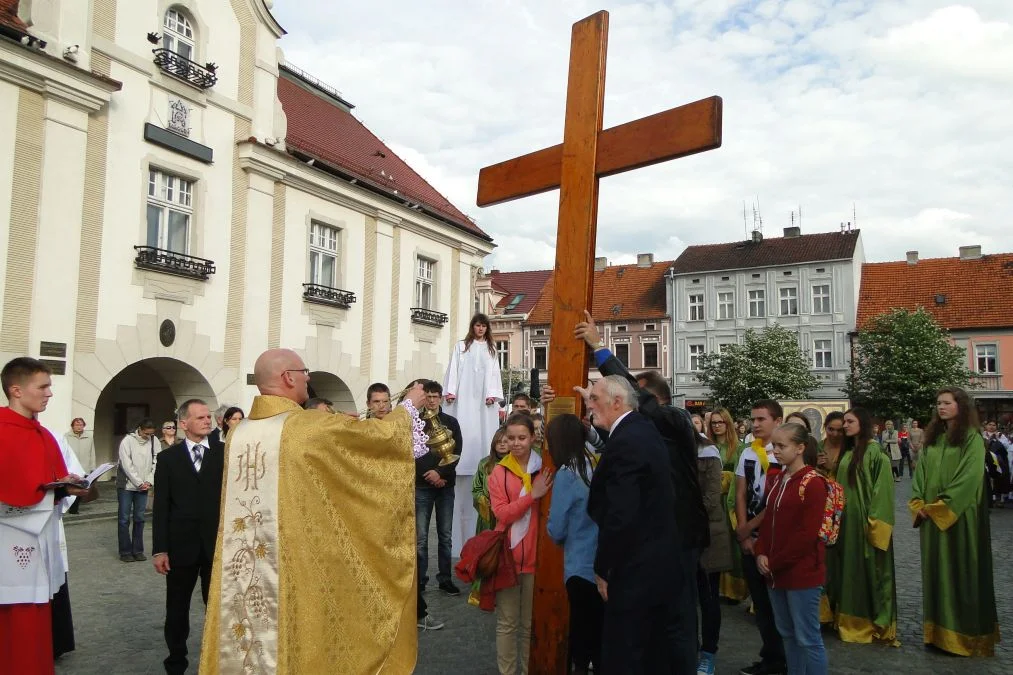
column 175, row 198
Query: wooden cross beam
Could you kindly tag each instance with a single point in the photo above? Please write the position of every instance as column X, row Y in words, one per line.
column 586, row 154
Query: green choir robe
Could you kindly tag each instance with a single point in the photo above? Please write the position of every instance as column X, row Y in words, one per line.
column 866, row 592
column 828, row 600
column 732, row 584
column 958, row 596
column 486, row 520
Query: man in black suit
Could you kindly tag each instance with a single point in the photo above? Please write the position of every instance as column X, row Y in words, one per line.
column 632, row 502
column 188, row 480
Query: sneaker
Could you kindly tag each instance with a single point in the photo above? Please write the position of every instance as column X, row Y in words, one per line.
column 449, row 588
column 126, row 558
column 429, row 623
column 705, row 666
column 140, row 557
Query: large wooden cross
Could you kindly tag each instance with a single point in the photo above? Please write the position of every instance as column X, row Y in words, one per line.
column 586, row 154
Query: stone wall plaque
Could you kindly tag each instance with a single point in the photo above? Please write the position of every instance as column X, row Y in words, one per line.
column 58, row 367
column 167, row 333
column 53, row 349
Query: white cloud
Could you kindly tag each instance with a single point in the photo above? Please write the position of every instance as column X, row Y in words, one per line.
column 901, row 108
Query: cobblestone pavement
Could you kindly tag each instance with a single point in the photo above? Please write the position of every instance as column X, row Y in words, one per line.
column 118, row 613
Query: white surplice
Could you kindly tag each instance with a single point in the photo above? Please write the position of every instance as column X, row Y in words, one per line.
column 31, row 565
column 473, row 376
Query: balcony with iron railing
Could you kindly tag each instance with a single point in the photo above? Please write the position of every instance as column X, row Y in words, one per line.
column 987, row 382
column 171, row 63
column 428, row 317
column 325, row 295
column 171, row 262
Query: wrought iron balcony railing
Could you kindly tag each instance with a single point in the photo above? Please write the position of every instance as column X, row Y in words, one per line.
column 171, row 63
column 325, row 295
column 170, row 262
column 428, row 317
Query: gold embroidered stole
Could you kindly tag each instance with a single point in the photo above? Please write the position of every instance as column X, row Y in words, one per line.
column 248, row 613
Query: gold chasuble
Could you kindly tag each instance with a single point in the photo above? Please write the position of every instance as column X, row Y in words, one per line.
column 315, row 565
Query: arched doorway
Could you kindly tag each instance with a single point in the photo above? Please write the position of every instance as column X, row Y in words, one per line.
column 152, row 388
column 330, row 386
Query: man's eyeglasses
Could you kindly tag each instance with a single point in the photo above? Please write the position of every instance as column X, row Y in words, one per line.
column 304, row 371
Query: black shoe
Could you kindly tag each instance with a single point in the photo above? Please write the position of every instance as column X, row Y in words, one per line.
column 139, row 557
column 449, row 588
column 126, row 558
column 751, row 670
column 771, row 669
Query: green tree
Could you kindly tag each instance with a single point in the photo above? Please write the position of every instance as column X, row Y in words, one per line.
column 901, row 358
column 768, row 364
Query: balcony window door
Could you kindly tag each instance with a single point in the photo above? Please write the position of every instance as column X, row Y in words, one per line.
column 170, row 210
column 424, row 274
column 324, row 255
column 177, row 35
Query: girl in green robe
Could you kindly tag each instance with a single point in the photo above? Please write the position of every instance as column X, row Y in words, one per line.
column 866, row 590
column 950, row 507
column 480, row 494
column 828, row 456
column 722, row 433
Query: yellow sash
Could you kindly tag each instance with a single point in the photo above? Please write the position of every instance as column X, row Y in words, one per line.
column 248, row 624
column 760, row 448
column 510, row 464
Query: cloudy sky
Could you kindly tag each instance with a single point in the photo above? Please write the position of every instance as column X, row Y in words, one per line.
column 895, row 114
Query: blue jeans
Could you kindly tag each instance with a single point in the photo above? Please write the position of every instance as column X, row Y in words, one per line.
column 425, row 499
column 797, row 615
column 137, row 501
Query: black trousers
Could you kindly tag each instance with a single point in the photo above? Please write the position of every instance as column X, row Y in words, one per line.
column 179, row 584
column 681, row 620
column 635, row 641
column 63, row 621
column 710, row 610
column 772, row 651
column 587, row 612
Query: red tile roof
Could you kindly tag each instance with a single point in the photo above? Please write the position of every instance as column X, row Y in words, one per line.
column 976, row 293
column 621, row 292
column 768, row 252
column 514, row 284
column 9, row 16
column 324, row 130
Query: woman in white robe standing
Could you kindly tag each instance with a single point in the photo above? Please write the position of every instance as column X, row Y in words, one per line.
column 473, row 391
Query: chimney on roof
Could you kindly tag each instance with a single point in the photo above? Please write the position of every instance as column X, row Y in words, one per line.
column 970, row 252
column 600, row 264
column 645, row 259
column 757, row 236
column 494, row 271
column 912, row 257
column 792, row 232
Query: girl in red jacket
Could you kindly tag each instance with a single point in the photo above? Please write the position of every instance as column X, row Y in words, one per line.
column 515, row 486
column 790, row 551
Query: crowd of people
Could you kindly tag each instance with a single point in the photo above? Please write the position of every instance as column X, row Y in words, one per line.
column 660, row 516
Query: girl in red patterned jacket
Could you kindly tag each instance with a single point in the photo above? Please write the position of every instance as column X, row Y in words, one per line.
column 790, row 552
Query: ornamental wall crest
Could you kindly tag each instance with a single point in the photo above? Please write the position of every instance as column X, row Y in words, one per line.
column 179, row 117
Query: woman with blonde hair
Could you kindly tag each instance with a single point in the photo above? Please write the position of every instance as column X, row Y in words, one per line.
column 722, row 433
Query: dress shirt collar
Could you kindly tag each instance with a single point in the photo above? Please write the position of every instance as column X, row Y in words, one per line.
column 612, row 429
column 190, row 445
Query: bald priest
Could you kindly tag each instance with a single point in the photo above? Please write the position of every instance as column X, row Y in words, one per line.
column 315, row 564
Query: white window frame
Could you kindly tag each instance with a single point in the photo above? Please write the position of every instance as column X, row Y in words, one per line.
column 650, row 326
column 823, row 354
column 757, row 303
column 615, row 351
column 695, row 353
column 503, row 354
column 787, row 297
column 726, row 304
column 821, row 299
column 171, row 195
column 657, row 354
column 425, row 283
column 694, row 303
column 325, row 242
column 534, row 356
column 178, row 35
column 982, row 358
column 621, row 328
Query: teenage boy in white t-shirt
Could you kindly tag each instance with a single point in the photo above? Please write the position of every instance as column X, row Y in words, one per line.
column 751, row 476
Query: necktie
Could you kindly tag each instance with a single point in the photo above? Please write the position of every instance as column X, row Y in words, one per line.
column 198, row 451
